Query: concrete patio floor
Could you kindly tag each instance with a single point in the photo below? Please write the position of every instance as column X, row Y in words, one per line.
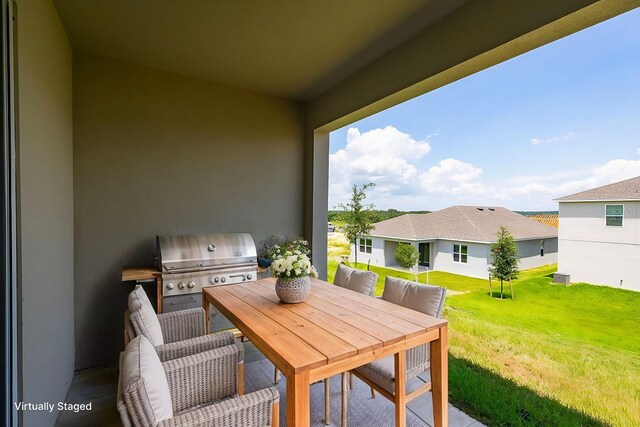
column 98, row 386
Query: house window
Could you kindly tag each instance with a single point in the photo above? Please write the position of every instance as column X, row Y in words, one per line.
column 365, row 245
column 459, row 253
column 541, row 247
column 614, row 215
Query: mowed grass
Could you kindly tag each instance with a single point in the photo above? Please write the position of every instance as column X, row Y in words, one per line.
column 555, row 355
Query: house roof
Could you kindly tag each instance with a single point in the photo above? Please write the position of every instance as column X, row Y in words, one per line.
column 629, row 189
column 465, row 223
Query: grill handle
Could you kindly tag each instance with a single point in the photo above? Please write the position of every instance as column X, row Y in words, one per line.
column 238, row 275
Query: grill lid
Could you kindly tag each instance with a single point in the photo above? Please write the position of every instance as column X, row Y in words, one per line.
column 189, row 253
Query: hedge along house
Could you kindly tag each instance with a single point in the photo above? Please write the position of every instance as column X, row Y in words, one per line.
column 458, row 239
column 128, row 119
column 599, row 235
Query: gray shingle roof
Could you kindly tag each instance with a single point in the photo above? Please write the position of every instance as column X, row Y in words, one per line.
column 628, row 189
column 466, row 223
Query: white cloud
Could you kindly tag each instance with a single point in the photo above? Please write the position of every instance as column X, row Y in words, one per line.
column 452, row 176
column 540, row 141
column 386, row 157
column 545, row 190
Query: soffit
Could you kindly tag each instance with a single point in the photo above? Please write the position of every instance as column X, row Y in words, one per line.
column 293, row 49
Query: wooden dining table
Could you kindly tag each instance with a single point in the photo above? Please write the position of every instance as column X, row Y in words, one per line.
column 332, row 331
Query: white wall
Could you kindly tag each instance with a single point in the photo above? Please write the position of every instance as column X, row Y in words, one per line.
column 476, row 265
column 45, row 180
column 529, row 253
column 377, row 255
column 592, row 252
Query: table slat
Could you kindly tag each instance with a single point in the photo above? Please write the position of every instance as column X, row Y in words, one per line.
column 369, row 310
column 379, row 331
column 363, row 342
column 404, row 313
column 289, row 351
column 323, row 341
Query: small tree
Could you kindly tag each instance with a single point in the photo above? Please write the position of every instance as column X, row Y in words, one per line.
column 357, row 216
column 504, row 265
column 407, row 256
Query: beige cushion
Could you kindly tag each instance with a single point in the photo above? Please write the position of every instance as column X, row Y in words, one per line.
column 360, row 281
column 139, row 304
column 142, row 362
column 416, row 296
column 382, row 372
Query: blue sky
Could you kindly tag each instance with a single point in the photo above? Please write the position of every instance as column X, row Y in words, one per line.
column 559, row 119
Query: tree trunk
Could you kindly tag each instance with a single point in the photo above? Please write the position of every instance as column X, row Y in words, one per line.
column 501, row 281
column 490, row 287
column 355, row 255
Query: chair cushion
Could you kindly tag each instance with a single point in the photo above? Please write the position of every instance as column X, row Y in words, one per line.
column 416, row 296
column 145, row 386
column 360, row 281
column 144, row 316
column 382, row 372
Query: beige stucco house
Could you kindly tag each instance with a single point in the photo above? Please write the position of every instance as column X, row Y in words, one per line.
column 599, row 235
column 458, row 239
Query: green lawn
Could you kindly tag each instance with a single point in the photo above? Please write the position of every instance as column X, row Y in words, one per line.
column 555, row 355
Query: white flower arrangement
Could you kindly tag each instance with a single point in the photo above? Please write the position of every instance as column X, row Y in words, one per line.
column 292, row 264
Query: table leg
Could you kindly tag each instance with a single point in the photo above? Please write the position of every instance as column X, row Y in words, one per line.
column 207, row 314
column 440, row 378
column 400, row 394
column 298, row 413
column 159, row 295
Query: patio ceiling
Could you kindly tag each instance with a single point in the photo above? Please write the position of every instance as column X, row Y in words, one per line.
column 293, row 49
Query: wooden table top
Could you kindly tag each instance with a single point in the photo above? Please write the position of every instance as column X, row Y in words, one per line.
column 331, row 325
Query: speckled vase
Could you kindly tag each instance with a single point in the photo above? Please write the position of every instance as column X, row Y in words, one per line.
column 293, row 291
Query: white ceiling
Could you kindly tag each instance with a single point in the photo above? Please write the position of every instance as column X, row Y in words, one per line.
column 291, row 48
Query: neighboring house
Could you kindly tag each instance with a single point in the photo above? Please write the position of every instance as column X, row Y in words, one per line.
column 599, row 235
column 458, row 239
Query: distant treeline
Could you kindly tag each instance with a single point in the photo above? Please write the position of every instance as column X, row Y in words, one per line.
column 376, row 216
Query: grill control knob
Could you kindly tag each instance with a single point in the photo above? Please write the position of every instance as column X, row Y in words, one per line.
column 181, row 285
column 224, row 279
column 216, row 280
column 191, row 284
column 170, row 286
column 249, row 276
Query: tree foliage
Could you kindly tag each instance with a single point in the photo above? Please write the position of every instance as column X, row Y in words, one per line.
column 504, row 263
column 407, row 256
column 356, row 216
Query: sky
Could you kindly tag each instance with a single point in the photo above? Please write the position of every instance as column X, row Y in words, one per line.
column 554, row 121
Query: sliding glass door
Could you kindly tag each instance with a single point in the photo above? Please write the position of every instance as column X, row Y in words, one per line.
column 425, row 254
column 9, row 297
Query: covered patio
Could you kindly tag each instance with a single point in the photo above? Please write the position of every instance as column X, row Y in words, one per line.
column 124, row 120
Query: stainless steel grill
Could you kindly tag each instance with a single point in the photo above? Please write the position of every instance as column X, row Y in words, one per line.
column 190, row 263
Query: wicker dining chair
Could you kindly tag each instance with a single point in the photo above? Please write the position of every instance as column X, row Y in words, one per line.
column 363, row 282
column 175, row 334
column 196, row 390
column 380, row 374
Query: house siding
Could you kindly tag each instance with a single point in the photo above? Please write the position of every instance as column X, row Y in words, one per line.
column 529, row 253
column 591, row 252
column 477, row 260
